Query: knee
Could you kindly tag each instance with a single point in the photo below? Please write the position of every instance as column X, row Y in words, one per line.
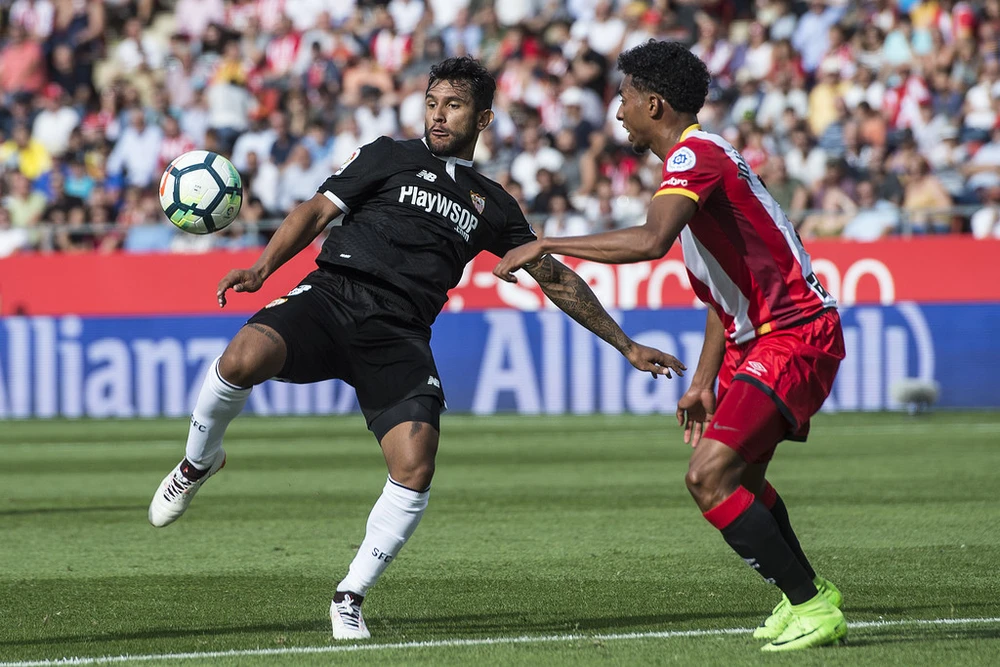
column 700, row 479
column 416, row 475
column 710, row 482
column 246, row 363
column 236, row 366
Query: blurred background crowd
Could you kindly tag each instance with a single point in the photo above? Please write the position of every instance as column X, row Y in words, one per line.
column 865, row 119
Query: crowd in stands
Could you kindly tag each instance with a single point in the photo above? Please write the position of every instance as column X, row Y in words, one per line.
column 864, row 118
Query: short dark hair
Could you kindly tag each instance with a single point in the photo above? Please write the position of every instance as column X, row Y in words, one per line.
column 468, row 73
column 670, row 70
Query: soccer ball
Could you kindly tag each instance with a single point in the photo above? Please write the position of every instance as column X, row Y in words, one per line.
column 201, row 192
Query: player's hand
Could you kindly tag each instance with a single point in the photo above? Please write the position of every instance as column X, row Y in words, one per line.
column 694, row 413
column 517, row 258
column 653, row 361
column 239, row 280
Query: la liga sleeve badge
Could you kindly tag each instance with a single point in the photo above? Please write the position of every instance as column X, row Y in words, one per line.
column 682, row 160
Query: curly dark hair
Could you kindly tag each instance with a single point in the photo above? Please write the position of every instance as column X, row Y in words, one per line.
column 670, row 70
column 466, row 72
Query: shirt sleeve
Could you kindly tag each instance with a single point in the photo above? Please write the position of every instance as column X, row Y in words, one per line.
column 690, row 171
column 516, row 233
column 362, row 174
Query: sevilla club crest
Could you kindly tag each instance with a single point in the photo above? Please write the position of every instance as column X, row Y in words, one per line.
column 478, row 201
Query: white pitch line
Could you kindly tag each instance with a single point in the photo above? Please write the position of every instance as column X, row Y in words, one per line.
column 446, row 643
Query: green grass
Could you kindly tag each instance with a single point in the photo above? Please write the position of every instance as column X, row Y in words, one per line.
column 537, row 526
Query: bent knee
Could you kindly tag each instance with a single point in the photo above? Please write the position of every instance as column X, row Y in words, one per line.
column 252, row 357
column 712, row 477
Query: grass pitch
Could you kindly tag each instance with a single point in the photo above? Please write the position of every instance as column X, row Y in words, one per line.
column 569, row 531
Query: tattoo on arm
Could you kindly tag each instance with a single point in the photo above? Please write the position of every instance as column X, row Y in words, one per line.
column 267, row 331
column 575, row 298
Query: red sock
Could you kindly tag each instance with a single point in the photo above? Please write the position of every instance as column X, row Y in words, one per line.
column 729, row 509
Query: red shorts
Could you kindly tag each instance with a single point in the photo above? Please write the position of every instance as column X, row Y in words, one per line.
column 769, row 387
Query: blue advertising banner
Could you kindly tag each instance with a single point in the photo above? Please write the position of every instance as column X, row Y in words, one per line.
column 490, row 361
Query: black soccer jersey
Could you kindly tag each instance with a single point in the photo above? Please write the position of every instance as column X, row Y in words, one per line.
column 414, row 220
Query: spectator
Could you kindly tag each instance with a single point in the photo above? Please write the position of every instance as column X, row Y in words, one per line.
column 34, row 16
column 758, row 59
column 985, row 222
column 713, row 49
column 599, row 208
column 563, row 220
column 604, row 32
column 812, row 33
column 805, row 162
column 229, row 106
column 137, row 152
column 831, row 140
column 406, row 15
column 374, row 118
column 981, row 110
column 55, row 122
column 925, row 199
column 823, row 99
column 832, row 198
column 300, row 179
column 25, row 154
column 138, row 50
column 985, row 164
column 548, row 187
column 747, row 105
column 175, row 143
column 790, row 193
column 782, row 95
column 198, row 15
column 22, row 64
column 534, row 156
column 12, row 239
column 875, row 219
column 629, row 209
column 24, row 205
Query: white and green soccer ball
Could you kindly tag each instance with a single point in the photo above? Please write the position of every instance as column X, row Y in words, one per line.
column 201, row 192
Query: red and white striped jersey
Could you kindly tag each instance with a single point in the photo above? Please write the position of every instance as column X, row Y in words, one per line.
column 742, row 254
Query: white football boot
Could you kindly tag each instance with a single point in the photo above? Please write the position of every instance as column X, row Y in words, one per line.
column 345, row 614
column 177, row 491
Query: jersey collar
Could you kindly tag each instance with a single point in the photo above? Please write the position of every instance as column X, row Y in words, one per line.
column 451, row 161
column 689, row 129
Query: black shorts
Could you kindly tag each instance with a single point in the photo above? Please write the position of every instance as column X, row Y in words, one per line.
column 344, row 326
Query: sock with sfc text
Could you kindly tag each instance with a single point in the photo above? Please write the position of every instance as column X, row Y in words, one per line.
column 218, row 404
column 391, row 523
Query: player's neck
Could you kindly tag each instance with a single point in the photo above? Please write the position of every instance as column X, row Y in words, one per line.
column 671, row 135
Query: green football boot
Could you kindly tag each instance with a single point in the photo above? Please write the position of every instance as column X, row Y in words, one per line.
column 812, row 623
column 776, row 623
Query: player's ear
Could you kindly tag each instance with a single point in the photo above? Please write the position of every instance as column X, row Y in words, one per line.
column 657, row 106
column 485, row 118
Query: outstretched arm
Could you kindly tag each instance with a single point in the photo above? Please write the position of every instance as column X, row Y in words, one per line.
column 665, row 219
column 574, row 297
column 297, row 231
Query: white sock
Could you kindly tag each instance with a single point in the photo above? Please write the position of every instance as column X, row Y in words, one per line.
column 218, row 404
column 390, row 524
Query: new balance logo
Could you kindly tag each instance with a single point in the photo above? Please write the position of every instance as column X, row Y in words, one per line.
column 756, row 368
column 434, row 382
column 427, row 176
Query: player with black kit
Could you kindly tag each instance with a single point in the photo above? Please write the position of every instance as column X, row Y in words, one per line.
column 416, row 213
